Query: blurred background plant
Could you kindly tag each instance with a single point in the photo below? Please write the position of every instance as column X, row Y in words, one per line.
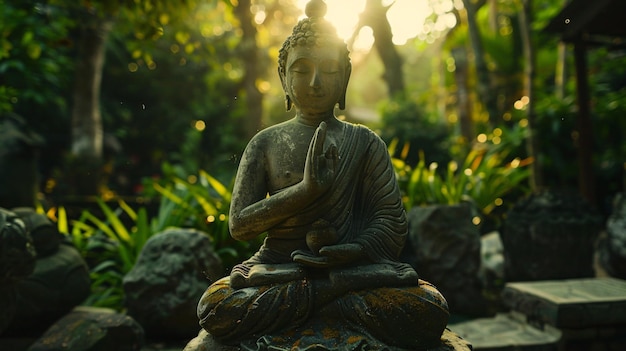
column 112, row 238
column 487, row 176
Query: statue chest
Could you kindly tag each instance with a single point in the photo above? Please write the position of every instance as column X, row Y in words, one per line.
column 285, row 163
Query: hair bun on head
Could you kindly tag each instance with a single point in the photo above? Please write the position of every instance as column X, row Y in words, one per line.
column 315, row 8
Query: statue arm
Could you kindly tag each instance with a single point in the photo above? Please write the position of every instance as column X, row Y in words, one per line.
column 252, row 212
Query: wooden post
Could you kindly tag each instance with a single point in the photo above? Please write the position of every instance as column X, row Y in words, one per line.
column 583, row 139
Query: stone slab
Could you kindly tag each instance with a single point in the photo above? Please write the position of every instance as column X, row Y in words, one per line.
column 573, row 303
column 504, row 332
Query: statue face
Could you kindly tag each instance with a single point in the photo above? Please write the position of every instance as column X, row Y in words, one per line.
column 314, row 78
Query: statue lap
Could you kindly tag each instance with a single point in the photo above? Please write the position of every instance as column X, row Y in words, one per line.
column 281, row 315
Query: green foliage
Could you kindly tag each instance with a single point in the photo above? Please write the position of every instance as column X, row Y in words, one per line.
column 193, row 95
column 200, row 201
column 484, row 177
column 109, row 246
column 111, row 240
column 34, row 55
column 404, row 121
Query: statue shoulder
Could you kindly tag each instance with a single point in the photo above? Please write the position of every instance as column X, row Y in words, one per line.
column 263, row 137
column 368, row 134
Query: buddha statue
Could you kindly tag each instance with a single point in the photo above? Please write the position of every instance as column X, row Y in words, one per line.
column 327, row 276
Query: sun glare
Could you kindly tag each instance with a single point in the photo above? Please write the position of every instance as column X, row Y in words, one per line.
column 406, row 18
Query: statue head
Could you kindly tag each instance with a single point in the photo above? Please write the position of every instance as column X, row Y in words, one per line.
column 314, row 32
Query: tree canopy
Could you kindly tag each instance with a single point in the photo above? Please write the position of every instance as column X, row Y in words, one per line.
column 188, row 82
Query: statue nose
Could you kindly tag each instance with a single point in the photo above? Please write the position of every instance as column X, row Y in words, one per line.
column 315, row 80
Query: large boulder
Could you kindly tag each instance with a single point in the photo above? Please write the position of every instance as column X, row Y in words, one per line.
column 92, row 329
column 544, row 231
column 41, row 229
column 17, row 261
column 613, row 246
column 444, row 248
column 163, row 289
column 59, row 282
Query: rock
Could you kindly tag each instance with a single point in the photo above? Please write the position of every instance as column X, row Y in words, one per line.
column 205, row 342
column 44, row 233
column 17, row 253
column 444, row 248
column 613, row 248
column 166, row 283
column 492, row 260
column 573, row 303
column 17, row 261
column 504, row 332
column 92, row 329
column 59, row 282
column 544, row 231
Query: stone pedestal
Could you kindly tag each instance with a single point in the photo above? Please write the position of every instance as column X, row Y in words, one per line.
column 507, row 332
column 450, row 341
column 576, row 303
column 560, row 315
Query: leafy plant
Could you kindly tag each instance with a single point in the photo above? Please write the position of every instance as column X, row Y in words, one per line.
column 483, row 178
column 200, row 201
column 109, row 246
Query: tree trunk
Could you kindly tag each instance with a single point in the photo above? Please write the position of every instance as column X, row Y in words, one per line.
column 532, row 147
column 248, row 49
column 560, row 75
column 463, row 102
column 486, row 94
column 86, row 119
column 375, row 17
column 584, row 141
column 84, row 168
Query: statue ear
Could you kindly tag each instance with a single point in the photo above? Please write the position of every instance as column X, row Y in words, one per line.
column 282, row 82
column 288, row 102
column 342, row 99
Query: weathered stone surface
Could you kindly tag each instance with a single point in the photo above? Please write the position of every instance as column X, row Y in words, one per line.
column 492, row 257
column 44, row 233
column 91, row 329
column 17, row 254
column 604, row 338
column 544, row 231
column 613, row 248
column 59, row 282
column 169, row 277
column 450, row 341
column 506, row 333
column 205, row 342
column 444, row 247
column 576, row 303
column 7, row 305
column 17, row 261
